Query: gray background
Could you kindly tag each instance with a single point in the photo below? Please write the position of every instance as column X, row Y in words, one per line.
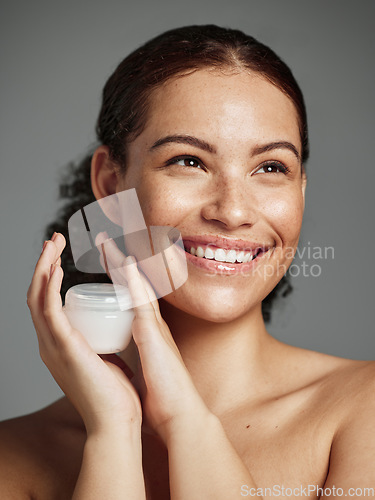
column 55, row 59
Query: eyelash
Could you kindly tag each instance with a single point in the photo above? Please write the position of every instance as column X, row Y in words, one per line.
column 173, row 161
column 283, row 168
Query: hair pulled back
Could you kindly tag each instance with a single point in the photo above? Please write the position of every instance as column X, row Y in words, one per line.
column 126, row 101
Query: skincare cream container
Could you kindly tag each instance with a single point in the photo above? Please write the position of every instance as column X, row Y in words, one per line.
column 103, row 313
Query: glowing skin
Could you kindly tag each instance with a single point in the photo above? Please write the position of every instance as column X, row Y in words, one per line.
column 232, row 195
column 279, row 412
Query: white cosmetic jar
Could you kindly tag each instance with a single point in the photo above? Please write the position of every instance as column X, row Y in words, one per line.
column 103, row 313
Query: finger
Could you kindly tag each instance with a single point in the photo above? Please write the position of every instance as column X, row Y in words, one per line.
column 51, row 253
column 119, row 266
column 36, row 291
column 152, row 300
column 116, row 264
column 101, row 238
column 36, row 298
column 142, row 302
column 111, row 254
column 60, row 242
column 115, row 275
column 55, row 318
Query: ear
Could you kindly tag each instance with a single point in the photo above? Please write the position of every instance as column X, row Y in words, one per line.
column 105, row 175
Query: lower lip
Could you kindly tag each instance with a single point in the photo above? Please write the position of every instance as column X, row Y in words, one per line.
column 225, row 268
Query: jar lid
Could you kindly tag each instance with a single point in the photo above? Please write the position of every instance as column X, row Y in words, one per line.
column 98, row 296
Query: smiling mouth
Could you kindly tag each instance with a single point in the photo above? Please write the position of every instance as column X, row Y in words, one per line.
column 231, row 256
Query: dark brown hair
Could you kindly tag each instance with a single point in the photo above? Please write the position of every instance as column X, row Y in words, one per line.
column 126, row 100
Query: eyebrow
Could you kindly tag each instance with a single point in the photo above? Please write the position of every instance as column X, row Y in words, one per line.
column 257, row 150
column 184, row 139
column 205, row 146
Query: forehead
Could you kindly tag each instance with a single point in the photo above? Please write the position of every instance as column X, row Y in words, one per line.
column 241, row 106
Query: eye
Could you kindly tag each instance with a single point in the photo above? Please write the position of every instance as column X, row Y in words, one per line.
column 273, row 167
column 185, row 161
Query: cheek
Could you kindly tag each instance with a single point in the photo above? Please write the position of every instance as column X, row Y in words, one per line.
column 162, row 205
column 284, row 213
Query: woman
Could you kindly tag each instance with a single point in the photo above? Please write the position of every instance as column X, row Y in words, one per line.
column 209, row 127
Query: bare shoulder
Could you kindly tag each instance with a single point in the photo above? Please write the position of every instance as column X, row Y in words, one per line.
column 353, row 384
column 40, row 454
column 338, row 387
column 339, row 376
column 350, row 391
column 343, row 402
column 14, row 460
column 346, row 378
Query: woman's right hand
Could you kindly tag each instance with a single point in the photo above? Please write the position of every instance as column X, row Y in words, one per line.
column 100, row 391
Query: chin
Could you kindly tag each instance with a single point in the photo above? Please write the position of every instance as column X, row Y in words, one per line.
column 223, row 306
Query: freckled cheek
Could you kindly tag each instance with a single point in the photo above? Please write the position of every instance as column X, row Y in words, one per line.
column 284, row 214
column 164, row 207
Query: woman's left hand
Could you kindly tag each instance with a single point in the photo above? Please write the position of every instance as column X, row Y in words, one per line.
column 167, row 391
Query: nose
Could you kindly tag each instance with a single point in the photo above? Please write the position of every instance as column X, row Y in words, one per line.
column 230, row 203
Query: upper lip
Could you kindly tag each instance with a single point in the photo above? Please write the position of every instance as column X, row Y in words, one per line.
column 223, row 242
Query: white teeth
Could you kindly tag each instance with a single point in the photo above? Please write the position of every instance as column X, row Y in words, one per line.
column 240, row 256
column 200, row 252
column 231, row 256
column 220, row 255
column 209, row 253
column 247, row 257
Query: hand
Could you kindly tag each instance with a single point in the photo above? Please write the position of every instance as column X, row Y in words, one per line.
column 167, row 391
column 99, row 390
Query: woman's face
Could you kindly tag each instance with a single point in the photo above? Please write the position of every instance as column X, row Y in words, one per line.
column 219, row 159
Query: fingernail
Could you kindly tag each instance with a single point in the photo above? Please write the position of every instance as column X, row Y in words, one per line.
column 54, row 236
column 101, row 238
column 44, row 245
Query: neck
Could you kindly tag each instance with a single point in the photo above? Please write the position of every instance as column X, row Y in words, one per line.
column 230, row 363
